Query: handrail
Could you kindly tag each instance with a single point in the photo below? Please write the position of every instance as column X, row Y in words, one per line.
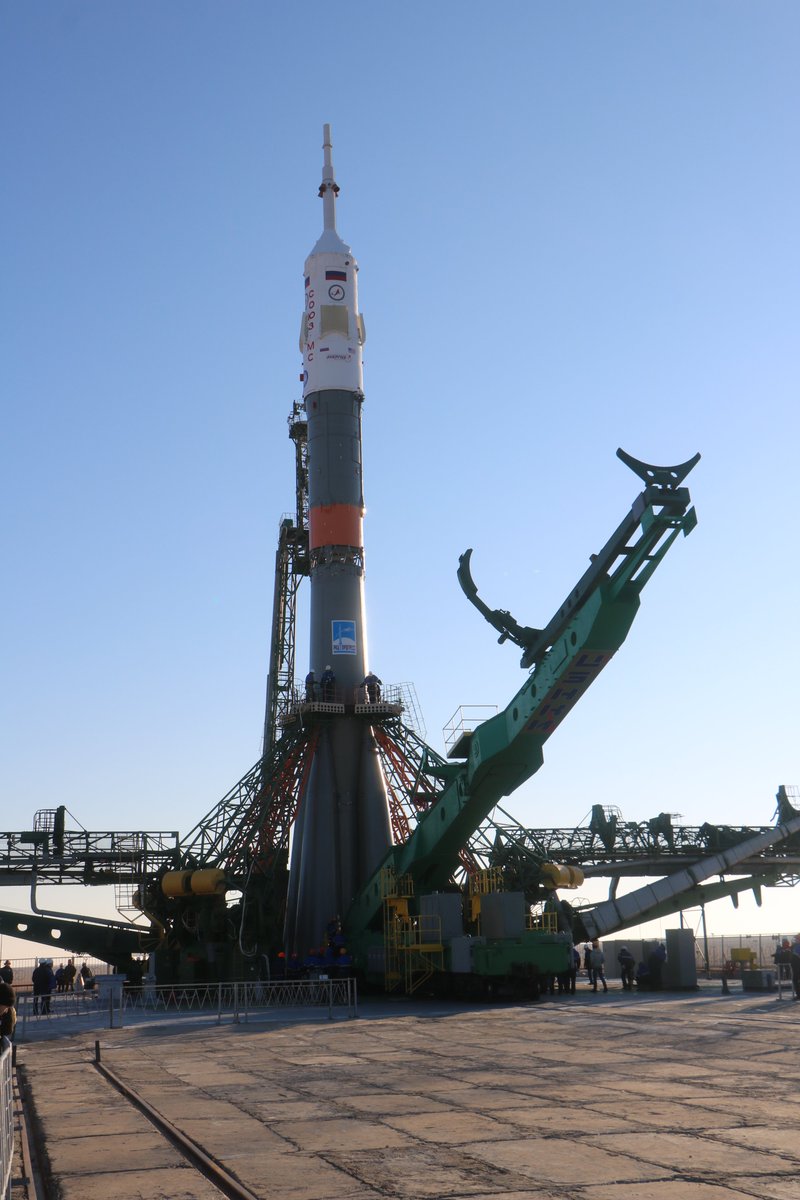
column 115, row 1005
column 6, row 1119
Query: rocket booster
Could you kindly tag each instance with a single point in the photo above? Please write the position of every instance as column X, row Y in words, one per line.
column 342, row 829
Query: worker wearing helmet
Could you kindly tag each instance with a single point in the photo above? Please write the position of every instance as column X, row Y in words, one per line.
column 328, row 685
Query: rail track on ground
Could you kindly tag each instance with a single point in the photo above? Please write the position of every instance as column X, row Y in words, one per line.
column 36, row 1178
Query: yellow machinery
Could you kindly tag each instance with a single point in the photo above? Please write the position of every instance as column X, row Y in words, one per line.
column 412, row 946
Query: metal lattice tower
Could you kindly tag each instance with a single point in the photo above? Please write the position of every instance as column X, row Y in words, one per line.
column 291, row 566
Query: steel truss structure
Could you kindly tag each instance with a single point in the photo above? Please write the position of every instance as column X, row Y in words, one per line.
column 292, row 565
column 53, row 854
column 249, row 829
column 611, row 846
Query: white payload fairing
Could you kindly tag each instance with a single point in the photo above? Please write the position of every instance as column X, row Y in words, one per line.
column 332, row 329
column 342, row 828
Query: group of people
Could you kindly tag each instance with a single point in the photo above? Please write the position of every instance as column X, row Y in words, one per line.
column 787, row 960
column 324, row 689
column 67, row 978
column 44, row 981
column 646, row 976
column 332, row 958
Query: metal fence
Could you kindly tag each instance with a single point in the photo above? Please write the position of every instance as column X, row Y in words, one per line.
column 116, row 1006
column 763, row 946
column 6, row 1119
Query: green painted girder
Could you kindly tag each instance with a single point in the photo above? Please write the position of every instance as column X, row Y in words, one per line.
column 507, row 749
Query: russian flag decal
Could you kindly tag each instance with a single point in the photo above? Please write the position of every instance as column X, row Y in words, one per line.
column 342, row 275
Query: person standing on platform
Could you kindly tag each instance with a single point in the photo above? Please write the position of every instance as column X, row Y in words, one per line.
column 7, row 972
column 328, row 684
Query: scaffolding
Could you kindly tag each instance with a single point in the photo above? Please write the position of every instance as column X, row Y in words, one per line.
column 412, row 945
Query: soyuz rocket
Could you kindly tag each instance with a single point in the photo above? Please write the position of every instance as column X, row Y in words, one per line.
column 342, row 828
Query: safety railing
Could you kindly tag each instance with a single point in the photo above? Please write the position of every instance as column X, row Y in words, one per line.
column 233, row 1002
column 236, row 1001
column 545, row 922
column 6, row 1119
column 316, row 696
column 463, row 723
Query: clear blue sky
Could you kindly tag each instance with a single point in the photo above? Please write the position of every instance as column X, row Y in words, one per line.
column 577, row 229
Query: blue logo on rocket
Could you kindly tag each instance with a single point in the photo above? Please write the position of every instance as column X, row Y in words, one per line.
column 344, row 637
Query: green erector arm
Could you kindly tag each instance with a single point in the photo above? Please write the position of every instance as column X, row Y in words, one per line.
column 568, row 655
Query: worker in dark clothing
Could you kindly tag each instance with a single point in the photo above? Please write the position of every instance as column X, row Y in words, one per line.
column 642, row 977
column 7, row 972
column 8, row 1010
column 655, row 965
column 311, row 687
column 343, row 965
column 44, row 981
column 575, row 966
column 598, row 965
column 566, row 979
column 587, row 962
column 783, row 959
column 328, row 684
column 795, row 965
column 627, row 967
column 372, row 688
column 134, row 975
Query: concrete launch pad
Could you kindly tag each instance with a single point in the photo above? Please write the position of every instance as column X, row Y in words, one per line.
column 617, row 1097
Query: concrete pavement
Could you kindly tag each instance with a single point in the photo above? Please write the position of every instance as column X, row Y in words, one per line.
column 617, row 1097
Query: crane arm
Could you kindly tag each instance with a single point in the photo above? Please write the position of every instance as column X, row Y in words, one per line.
column 508, row 748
